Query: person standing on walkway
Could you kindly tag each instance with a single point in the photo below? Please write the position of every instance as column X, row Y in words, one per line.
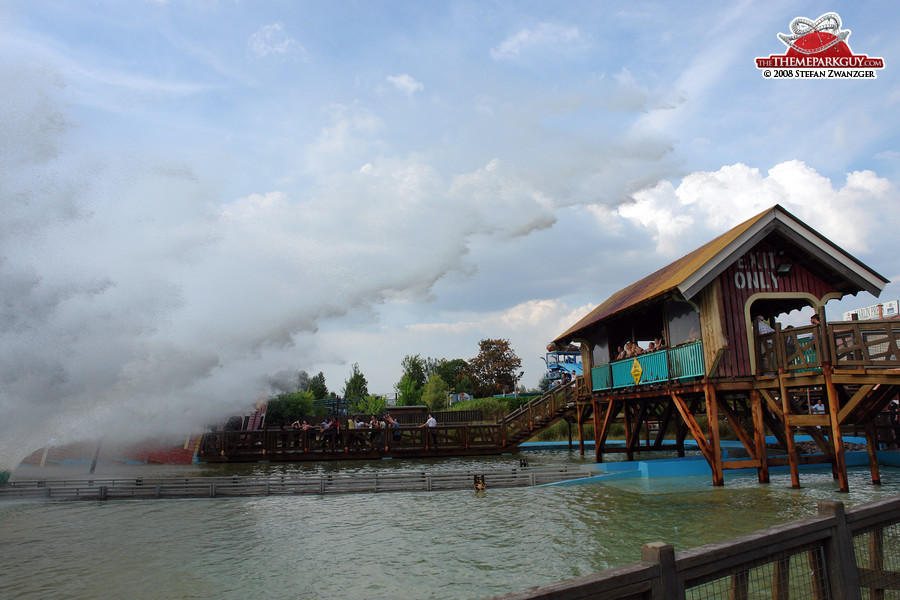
column 431, row 425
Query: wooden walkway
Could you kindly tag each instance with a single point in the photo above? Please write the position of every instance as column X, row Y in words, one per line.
column 286, row 485
column 470, row 439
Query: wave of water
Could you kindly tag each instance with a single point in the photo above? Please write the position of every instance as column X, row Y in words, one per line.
column 436, row 545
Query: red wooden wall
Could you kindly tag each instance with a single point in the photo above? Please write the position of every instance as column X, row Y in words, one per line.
column 754, row 273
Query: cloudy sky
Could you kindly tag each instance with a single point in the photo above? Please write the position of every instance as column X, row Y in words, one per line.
column 201, row 196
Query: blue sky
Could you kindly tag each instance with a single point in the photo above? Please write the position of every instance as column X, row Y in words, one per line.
column 201, row 198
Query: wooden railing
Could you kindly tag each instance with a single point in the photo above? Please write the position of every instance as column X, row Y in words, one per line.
column 833, row 556
column 681, row 362
column 850, row 344
column 273, row 443
column 540, row 411
column 294, row 484
column 445, row 439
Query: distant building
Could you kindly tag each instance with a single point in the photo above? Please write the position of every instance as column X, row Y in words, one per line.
column 882, row 310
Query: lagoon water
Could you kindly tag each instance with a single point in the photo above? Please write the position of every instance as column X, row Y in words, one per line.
column 416, row 545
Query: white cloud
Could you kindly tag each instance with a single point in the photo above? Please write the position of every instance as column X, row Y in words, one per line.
column 406, row 84
column 708, row 203
column 546, row 38
column 272, row 40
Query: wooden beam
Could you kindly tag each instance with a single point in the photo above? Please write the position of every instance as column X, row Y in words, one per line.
column 664, row 423
column 636, row 422
column 871, row 448
column 693, row 427
column 808, row 420
column 860, row 395
column 788, row 434
column 759, row 436
column 836, row 438
column 738, row 427
column 773, row 404
column 712, row 421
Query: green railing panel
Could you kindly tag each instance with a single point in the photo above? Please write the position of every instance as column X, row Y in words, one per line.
column 601, row 377
column 673, row 363
column 621, row 373
column 687, row 360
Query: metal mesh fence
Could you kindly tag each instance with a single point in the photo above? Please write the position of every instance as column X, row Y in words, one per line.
column 878, row 561
column 798, row 574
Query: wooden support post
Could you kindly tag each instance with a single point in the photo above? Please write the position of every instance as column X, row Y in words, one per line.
column 629, row 434
column 759, row 436
column 781, row 572
column 872, row 448
column 740, row 585
column 840, row 556
column 712, row 422
column 788, row 432
column 837, row 440
column 580, row 412
column 876, row 560
column 663, row 555
column 638, row 418
column 694, row 427
column 612, row 409
column 598, row 432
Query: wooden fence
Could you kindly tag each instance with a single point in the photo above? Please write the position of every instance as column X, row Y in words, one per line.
column 837, row 555
column 337, row 483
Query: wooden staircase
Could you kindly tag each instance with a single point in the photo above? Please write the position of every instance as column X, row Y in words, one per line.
column 539, row 413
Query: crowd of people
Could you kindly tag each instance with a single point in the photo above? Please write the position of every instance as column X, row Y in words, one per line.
column 329, row 431
column 632, row 348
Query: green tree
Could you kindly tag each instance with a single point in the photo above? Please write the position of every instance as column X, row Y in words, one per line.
column 494, row 369
column 451, row 371
column 317, row 386
column 435, row 393
column 287, row 408
column 408, row 393
column 370, row 405
column 412, row 382
column 356, row 386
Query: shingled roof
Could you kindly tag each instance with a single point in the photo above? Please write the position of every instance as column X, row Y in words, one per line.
column 690, row 273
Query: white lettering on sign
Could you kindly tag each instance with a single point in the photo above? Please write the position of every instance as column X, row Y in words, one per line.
column 756, row 271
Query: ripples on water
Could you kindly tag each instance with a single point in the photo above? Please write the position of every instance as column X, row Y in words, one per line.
column 438, row 545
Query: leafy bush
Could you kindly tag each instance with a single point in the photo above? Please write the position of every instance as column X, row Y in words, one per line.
column 492, row 409
column 287, row 408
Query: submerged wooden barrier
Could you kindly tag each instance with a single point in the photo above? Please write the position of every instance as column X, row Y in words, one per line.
column 837, row 555
column 237, row 486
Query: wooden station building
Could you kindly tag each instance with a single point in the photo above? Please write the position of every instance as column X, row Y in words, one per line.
column 718, row 363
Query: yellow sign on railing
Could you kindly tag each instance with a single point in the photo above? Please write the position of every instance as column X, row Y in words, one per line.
column 636, row 371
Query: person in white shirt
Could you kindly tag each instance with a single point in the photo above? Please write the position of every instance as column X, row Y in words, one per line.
column 431, row 424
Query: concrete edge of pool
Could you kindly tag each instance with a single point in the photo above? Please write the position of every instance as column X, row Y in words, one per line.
column 693, row 466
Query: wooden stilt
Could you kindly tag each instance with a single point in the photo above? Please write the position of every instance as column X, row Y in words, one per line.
column 694, row 427
column 599, row 434
column 638, row 418
column 712, row 421
column 580, row 413
column 759, row 436
column 872, row 448
column 789, row 433
column 629, row 434
column 835, row 425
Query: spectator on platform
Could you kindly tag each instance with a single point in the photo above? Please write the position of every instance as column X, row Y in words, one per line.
column 762, row 327
column 620, row 353
column 431, row 425
column 394, row 426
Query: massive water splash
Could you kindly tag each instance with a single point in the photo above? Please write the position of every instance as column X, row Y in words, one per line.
column 136, row 302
